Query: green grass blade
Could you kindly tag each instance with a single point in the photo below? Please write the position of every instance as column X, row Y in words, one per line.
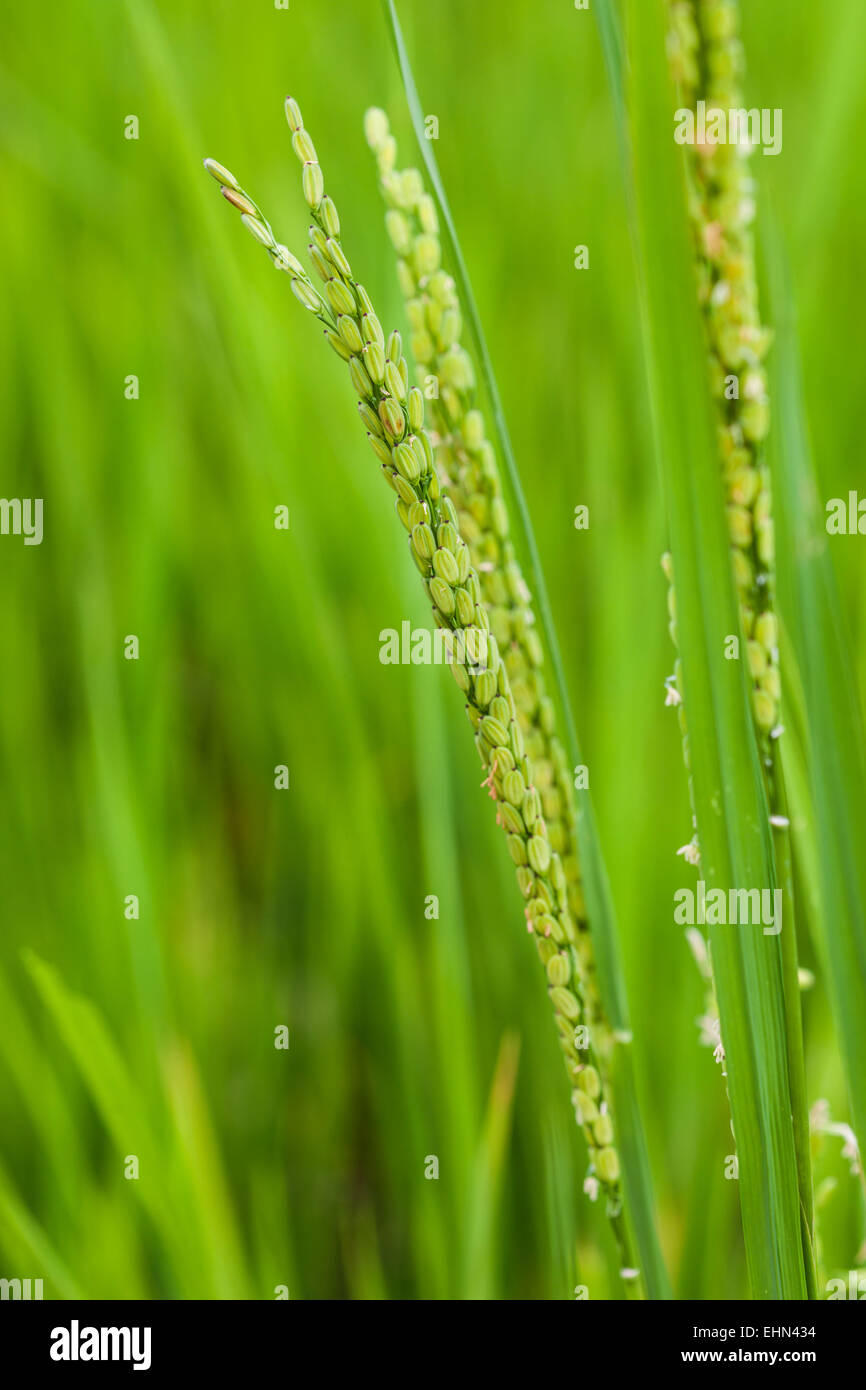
column 804, row 837
column 117, row 1097
column 559, row 1198
column 479, row 1275
column 610, row 32
column 794, row 1026
column 22, row 1235
column 730, row 802
column 467, row 298
column 203, row 1164
column 834, row 746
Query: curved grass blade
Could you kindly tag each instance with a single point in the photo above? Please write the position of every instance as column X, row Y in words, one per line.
column 169, row 1195
column 21, row 1232
column 467, row 298
column 479, row 1272
column 610, row 32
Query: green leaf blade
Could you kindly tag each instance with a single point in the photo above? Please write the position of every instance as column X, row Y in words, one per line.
column 730, row 804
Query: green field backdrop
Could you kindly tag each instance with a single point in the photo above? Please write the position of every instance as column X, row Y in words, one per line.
column 152, row 1037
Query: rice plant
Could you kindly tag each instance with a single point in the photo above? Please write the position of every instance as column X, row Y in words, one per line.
column 511, row 717
column 707, row 62
column 468, row 462
column 270, row 1028
column 740, row 831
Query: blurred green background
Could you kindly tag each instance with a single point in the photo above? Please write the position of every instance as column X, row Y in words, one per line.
column 409, row 1037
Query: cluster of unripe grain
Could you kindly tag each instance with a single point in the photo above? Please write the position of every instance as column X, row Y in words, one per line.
column 707, row 60
column 393, row 414
column 466, row 458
